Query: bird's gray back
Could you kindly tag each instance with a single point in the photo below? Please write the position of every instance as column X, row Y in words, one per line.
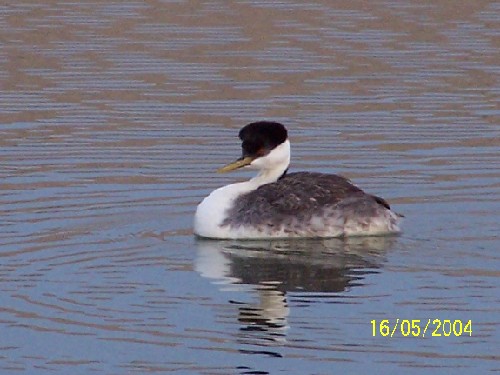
column 296, row 196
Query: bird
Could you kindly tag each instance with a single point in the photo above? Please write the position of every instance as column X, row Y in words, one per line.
column 278, row 204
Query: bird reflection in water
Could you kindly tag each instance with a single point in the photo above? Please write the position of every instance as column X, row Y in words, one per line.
column 304, row 268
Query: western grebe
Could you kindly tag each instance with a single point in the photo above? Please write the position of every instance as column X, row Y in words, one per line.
column 277, row 204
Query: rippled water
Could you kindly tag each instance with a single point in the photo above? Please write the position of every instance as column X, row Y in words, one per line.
column 114, row 116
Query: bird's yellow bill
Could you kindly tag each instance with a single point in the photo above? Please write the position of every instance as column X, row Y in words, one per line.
column 236, row 164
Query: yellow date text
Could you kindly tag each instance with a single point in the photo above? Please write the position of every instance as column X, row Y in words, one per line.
column 421, row 328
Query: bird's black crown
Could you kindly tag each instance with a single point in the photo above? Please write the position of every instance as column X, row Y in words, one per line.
column 261, row 137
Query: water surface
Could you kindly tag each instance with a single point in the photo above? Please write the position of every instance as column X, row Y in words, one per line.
column 114, row 116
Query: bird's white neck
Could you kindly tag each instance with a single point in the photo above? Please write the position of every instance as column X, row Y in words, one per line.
column 266, row 177
column 272, row 166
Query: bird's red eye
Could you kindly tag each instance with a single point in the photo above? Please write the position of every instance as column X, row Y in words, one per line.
column 261, row 151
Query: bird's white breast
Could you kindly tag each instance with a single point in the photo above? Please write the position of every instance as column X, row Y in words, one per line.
column 211, row 212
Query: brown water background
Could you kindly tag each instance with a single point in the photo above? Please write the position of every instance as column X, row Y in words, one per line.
column 114, row 116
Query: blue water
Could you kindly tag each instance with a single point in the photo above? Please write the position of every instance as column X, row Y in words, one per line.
column 114, row 117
